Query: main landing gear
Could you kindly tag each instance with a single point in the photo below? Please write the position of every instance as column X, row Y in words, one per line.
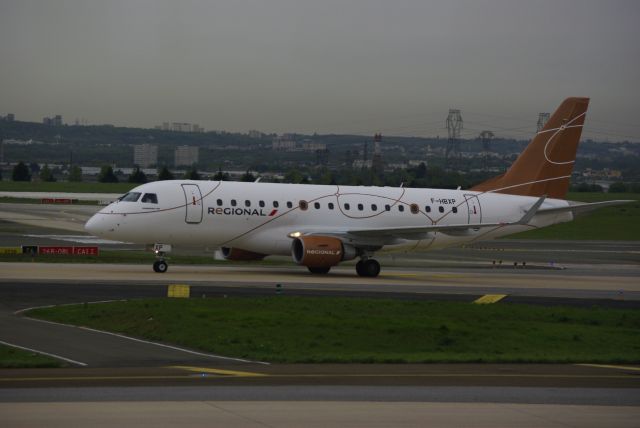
column 368, row 267
column 160, row 265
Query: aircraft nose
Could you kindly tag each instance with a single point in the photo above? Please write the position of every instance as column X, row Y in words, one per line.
column 95, row 225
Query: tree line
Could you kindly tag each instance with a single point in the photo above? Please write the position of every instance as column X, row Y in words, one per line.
column 417, row 177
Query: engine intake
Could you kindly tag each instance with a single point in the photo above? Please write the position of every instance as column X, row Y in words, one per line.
column 239, row 254
column 320, row 251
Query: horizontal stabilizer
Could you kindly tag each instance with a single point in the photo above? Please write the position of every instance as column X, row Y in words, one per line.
column 578, row 208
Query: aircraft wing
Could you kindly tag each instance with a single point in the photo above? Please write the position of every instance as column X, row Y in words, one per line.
column 421, row 232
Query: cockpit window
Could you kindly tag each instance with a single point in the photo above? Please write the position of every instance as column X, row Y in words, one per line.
column 150, row 198
column 130, row 197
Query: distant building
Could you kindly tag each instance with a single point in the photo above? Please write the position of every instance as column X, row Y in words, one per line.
column 179, row 127
column 145, row 155
column 10, row 117
column 52, row 121
column 310, row 146
column 255, row 134
column 283, row 145
column 361, row 163
column 603, row 174
column 186, row 155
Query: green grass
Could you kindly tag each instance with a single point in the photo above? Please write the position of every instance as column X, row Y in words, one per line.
column 612, row 223
column 326, row 329
column 41, row 186
column 18, row 358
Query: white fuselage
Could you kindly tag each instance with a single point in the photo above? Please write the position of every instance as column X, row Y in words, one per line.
column 259, row 217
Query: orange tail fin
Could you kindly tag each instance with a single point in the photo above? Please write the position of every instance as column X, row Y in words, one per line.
column 545, row 165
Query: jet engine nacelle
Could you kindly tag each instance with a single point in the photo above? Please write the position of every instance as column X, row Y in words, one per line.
column 321, row 251
column 239, row 254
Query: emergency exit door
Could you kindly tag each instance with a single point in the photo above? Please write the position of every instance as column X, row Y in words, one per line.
column 474, row 209
column 193, row 203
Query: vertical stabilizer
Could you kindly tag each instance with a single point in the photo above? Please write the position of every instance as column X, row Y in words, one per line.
column 545, row 165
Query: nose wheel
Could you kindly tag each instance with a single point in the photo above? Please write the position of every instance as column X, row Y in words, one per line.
column 160, row 266
column 368, row 268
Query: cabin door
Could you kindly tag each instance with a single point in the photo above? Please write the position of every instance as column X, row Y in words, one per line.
column 193, row 203
column 473, row 208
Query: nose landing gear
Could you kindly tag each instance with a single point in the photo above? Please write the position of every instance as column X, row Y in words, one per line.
column 160, row 265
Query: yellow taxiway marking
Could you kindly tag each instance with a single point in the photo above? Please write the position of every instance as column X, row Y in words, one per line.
column 391, row 275
column 217, row 371
column 608, row 366
column 447, row 275
column 489, row 298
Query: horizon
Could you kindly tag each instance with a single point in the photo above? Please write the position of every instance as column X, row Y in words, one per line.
column 356, row 68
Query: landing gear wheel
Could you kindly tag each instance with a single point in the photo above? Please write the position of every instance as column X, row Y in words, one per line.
column 319, row 270
column 160, row 266
column 369, row 268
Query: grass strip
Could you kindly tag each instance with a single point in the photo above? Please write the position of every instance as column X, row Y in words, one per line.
column 289, row 329
column 17, row 358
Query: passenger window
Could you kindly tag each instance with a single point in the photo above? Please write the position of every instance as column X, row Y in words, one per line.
column 247, row 203
column 454, row 209
column 219, row 202
column 330, row 205
column 275, row 204
column 401, row 208
column 441, row 209
column 414, row 209
column 303, row 205
column 150, row 198
column 360, row 207
column 130, row 197
column 387, row 207
column 316, row 205
column 289, row 204
column 427, row 208
column 233, row 202
column 347, row 207
column 261, row 203
column 374, row 207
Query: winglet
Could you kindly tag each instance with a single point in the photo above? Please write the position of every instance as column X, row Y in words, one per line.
column 528, row 216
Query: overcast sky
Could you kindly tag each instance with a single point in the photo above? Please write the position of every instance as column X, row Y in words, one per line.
column 324, row 66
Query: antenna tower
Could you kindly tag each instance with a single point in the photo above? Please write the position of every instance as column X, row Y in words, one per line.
column 486, row 137
column 376, row 160
column 542, row 120
column 454, row 126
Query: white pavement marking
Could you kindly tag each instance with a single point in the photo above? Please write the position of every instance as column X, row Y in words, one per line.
column 175, row 348
column 20, row 311
column 44, row 353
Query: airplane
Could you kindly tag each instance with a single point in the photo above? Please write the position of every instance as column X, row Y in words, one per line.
column 321, row 226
